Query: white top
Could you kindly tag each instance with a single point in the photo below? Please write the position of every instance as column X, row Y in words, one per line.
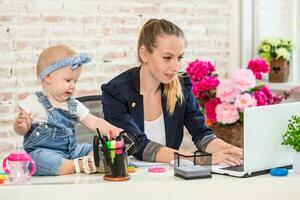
column 39, row 114
column 155, row 130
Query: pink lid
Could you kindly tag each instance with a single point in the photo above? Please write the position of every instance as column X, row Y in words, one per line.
column 19, row 156
column 156, row 169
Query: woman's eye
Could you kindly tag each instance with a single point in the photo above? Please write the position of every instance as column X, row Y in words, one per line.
column 167, row 58
column 180, row 58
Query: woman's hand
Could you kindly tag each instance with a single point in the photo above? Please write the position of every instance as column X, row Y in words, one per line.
column 116, row 131
column 231, row 156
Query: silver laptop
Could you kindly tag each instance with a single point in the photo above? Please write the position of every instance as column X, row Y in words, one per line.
column 263, row 129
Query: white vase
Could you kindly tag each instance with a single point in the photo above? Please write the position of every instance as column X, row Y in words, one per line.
column 296, row 162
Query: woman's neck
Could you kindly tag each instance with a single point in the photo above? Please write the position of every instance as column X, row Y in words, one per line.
column 151, row 91
column 148, row 85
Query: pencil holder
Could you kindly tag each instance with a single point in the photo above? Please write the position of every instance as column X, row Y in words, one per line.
column 194, row 166
column 113, row 153
column 99, row 158
column 116, row 164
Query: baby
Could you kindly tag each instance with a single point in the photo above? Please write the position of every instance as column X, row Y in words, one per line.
column 47, row 118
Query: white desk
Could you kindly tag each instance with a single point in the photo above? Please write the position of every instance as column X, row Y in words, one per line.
column 144, row 185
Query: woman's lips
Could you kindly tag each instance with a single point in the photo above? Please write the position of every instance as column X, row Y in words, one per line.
column 170, row 76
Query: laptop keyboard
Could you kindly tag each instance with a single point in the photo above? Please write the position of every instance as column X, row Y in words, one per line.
column 238, row 168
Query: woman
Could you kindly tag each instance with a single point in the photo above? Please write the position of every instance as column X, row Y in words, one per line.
column 155, row 102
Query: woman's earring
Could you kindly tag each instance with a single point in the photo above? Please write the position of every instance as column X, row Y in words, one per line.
column 146, row 62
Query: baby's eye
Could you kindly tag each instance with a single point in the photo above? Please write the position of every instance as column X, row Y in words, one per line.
column 68, row 80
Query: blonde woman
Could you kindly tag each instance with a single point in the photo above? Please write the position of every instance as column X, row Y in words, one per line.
column 155, row 101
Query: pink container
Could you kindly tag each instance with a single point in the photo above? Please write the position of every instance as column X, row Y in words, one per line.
column 16, row 165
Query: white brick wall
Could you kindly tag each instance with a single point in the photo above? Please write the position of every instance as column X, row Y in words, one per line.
column 108, row 30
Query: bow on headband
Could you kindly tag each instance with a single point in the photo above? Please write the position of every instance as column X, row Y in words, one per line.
column 74, row 62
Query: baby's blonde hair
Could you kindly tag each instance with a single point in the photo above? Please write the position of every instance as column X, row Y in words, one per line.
column 148, row 34
column 52, row 55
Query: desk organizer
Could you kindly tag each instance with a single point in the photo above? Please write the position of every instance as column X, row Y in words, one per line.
column 116, row 164
column 113, row 153
column 194, row 166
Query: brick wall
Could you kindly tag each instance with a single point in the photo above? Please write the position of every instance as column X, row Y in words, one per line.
column 108, row 30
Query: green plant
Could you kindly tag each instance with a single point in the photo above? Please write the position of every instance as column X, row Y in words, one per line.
column 275, row 48
column 292, row 136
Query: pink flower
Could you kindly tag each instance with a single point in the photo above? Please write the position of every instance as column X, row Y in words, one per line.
column 258, row 66
column 227, row 113
column 195, row 89
column 208, row 83
column 264, row 96
column 260, row 97
column 227, row 91
column 268, row 93
column 244, row 78
column 210, row 109
column 245, row 100
column 198, row 69
column 224, row 101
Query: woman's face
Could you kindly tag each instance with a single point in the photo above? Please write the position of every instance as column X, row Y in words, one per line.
column 165, row 60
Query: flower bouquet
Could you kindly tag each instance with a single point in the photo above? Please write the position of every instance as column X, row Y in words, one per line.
column 277, row 52
column 223, row 102
column 275, row 48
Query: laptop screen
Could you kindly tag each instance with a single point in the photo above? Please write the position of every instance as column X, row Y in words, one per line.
column 263, row 130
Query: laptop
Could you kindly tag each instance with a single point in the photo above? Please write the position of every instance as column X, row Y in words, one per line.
column 263, row 130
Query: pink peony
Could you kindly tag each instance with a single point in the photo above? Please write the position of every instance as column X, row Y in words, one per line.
column 224, row 101
column 260, row 97
column 195, row 89
column 227, row 113
column 245, row 100
column 258, row 66
column 208, row 83
column 244, row 78
column 227, row 91
column 210, row 109
column 198, row 69
column 268, row 93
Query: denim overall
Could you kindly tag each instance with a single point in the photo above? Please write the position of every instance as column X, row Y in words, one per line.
column 52, row 142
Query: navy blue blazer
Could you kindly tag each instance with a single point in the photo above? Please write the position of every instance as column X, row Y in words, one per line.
column 123, row 107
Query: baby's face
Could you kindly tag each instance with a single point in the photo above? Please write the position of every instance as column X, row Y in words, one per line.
column 62, row 83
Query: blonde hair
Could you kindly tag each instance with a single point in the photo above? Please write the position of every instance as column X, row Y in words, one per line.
column 52, row 55
column 147, row 38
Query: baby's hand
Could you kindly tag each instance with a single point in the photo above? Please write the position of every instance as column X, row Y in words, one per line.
column 22, row 120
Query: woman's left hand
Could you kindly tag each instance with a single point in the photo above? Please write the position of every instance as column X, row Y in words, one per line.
column 231, row 156
column 235, row 151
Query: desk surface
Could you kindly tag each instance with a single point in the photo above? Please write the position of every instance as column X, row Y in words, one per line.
column 155, row 186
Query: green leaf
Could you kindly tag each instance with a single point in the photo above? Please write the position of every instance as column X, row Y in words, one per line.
column 292, row 136
column 266, row 56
